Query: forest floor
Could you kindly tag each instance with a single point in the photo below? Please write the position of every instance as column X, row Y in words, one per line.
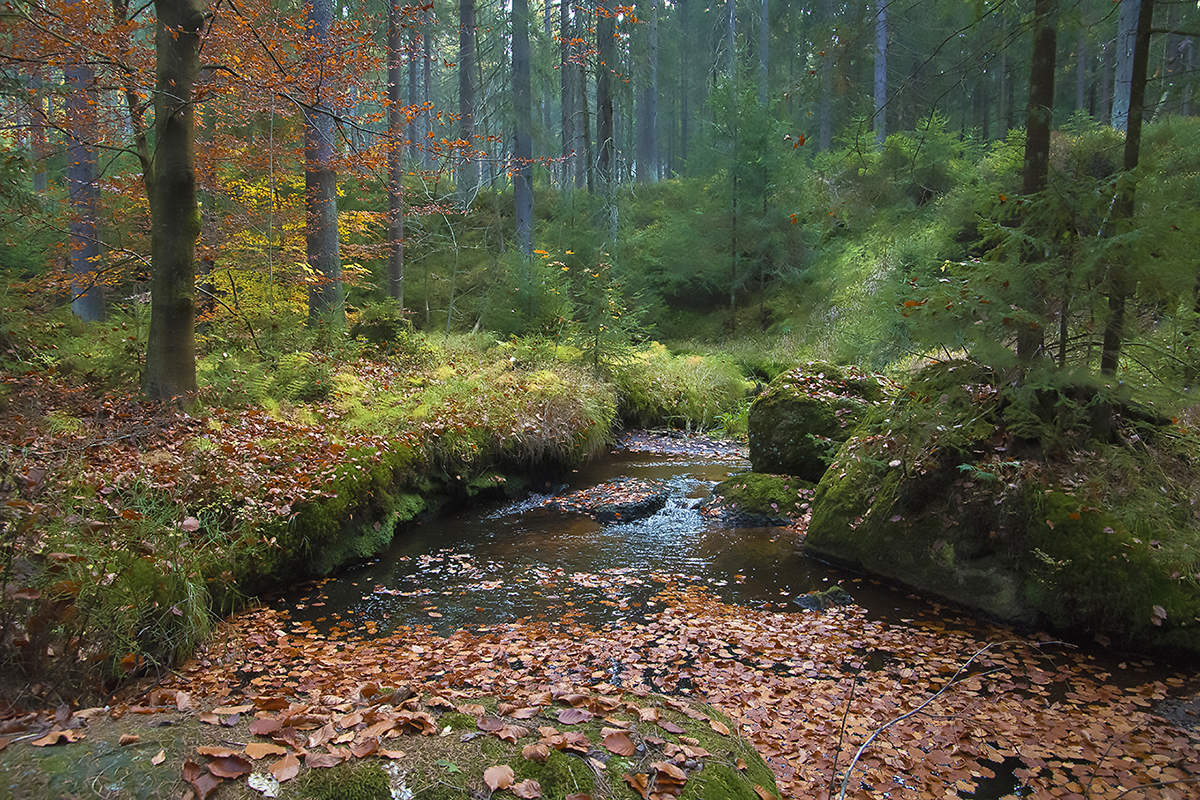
column 950, row 708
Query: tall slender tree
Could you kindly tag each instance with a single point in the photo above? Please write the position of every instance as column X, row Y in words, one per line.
column 1126, row 38
column 395, row 153
column 522, row 144
column 325, row 297
column 175, row 219
column 881, row 44
column 83, row 193
column 468, row 174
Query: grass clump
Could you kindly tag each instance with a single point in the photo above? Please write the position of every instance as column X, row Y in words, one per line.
column 657, row 387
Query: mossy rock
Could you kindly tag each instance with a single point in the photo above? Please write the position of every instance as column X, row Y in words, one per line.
column 758, row 497
column 929, row 494
column 797, row 424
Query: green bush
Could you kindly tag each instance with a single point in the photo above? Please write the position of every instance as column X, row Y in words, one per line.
column 656, row 387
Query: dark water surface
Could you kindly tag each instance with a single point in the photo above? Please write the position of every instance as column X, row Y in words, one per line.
column 524, row 560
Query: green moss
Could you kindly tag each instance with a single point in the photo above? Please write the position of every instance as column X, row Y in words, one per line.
column 1057, row 537
column 797, row 424
column 457, row 721
column 761, row 494
column 560, row 775
column 354, row 781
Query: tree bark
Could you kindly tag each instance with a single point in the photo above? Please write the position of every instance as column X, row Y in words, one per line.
column 566, row 94
column 325, row 298
column 414, row 148
column 647, row 150
column 468, row 180
column 427, row 83
column 1081, row 72
column 880, row 117
column 824, row 104
column 1126, row 37
column 1122, row 285
column 685, row 85
column 83, row 195
column 764, row 52
column 1039, row 116
column 606, row 160
column 522, row 146
column 175, row 219
column 395, row 152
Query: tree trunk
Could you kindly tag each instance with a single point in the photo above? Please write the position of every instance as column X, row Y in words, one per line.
column 880, row 117
column 647, row 139
column 468, row 176
column 522, row 146
column 427, row 83
column 175, row 219
column 414, row 148
column 605, row 162
column 395, row 152
column 685, row 83
column 764, row 51
column 1081, row 72
column 325, row 299
column 83, row 195
column 38, row 145
column 1106, row 78
column 824, row 104
column 1121, row 284
column 1039, row 117
column 731, row 37
column 566, row 94
column 1126, row 37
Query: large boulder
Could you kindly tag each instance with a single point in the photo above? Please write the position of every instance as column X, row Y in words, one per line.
column 803, row 416
column 1011, row 505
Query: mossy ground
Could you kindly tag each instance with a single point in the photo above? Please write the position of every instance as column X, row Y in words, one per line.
column 446, row 766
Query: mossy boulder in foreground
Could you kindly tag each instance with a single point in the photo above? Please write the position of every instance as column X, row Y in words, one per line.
column 804, row 415
column 1007, row 503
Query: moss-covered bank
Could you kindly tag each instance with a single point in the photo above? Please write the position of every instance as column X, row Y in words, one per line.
column 1007, row 502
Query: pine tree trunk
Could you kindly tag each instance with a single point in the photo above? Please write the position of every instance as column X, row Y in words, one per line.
column 522, row 149
column 38, row 146
column 83, row 194
column 427, row 83
column 468, row 176
column 1081, row 72
column 414, row 149
column 325, row 299
column 764, row 51
column 880, row 117
column 606, row 159
column 825, row 103
column 1126, row 37
column 1121, row 284
column 685, row 84
column 395, row 153
column 566, row 90
column 1039, row 116
column 175, row 219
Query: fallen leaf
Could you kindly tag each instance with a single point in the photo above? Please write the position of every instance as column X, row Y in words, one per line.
column 535, row 752
column 619, row 744
column 322, row 760
column 234, row 766
column 527, row 789
column 763, row 793
column 265, row 726
column 719, row 727
column 217, row 752
column 498, row 777
column 58, row 737
column 286, row 768
column 572, row 716
column 128, row 738
column 202, row 781
column 257, row 750
column 158, row 757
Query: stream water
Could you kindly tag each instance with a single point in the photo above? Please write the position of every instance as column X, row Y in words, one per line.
column 527, row 560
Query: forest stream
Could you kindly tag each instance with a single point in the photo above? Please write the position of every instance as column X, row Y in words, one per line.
column 539, row 567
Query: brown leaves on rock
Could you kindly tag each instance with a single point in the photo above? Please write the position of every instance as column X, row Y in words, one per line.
column 538, row 752
column 573, row 716
column 527, row 789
